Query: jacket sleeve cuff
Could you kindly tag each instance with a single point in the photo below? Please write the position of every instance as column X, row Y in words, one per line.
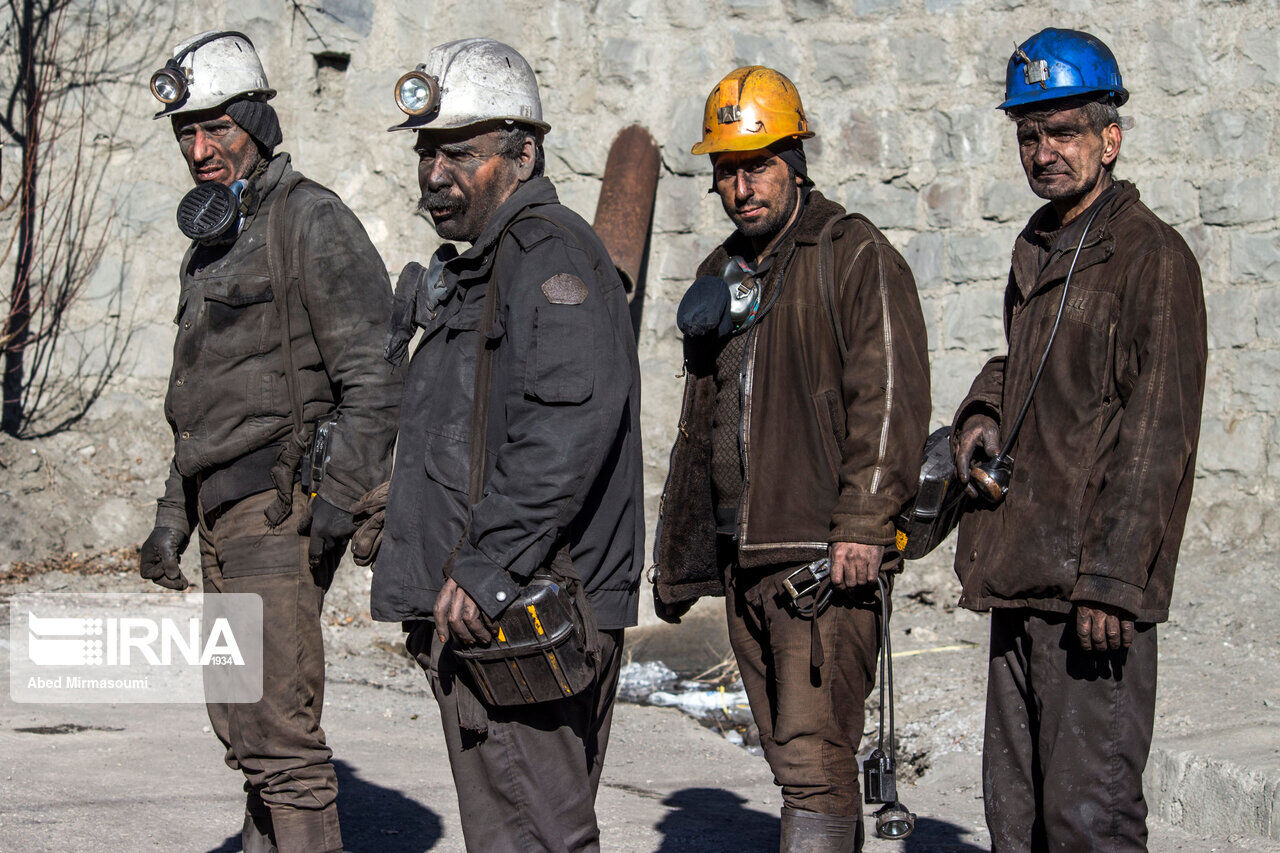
column 975, row 405
column 174, row 517
column 1110, row 591
column 488, row 584
column 864, row 519
column 337, row 494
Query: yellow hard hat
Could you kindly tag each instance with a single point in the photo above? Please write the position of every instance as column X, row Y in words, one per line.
column 751, row 108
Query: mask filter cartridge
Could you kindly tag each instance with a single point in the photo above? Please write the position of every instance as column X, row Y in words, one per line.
column 744, row 292
column 210, row 212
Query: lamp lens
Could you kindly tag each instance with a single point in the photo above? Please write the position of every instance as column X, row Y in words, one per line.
column 415, row 95
column 893, row 821
column 894, row 829
column 166, row 87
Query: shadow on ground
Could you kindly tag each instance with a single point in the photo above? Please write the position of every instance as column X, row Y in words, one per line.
column 373, row 818
column 935, row 836
column 713, row 820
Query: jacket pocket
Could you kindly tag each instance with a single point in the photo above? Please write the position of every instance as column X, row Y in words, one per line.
column 830, row 422
column 1090, row 307
column 263, row 554
column 560, row 368
column 239, row 315
column 447, row 461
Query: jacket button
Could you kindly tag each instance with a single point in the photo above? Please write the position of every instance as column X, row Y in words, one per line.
column 185, row 435
column 973, row 558
column 186, row 325
column 180, row 382
column 501, row 596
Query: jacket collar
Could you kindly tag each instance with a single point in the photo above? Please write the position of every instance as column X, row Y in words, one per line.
column 818, row 209
column 475, row 262
column 1043, row 252
column 265, row 185
column 814, row 217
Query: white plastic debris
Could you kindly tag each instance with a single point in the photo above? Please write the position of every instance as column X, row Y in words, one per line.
column 731, row 705
column 637, row 681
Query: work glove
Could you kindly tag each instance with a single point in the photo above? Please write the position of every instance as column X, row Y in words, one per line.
column 158, row 557
column 330, row 528
column 370, row 514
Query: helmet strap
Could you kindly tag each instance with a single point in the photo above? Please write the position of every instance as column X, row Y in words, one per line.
column 201, row 42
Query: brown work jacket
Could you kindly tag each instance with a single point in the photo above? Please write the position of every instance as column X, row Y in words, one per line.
column 228, row 395
column 831, row 445
column 1106, row 457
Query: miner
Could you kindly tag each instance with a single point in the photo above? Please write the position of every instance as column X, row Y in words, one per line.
column 1073, row 546
column 279, row 330
column 805, row 410
column 514, row 520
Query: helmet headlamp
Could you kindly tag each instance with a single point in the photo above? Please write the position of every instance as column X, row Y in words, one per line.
column 418, row 93
column 169, row 84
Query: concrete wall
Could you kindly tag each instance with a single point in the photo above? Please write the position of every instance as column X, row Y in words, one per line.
column 901, row 94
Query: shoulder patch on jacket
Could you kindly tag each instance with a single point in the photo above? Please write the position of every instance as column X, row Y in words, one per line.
column 565, row 289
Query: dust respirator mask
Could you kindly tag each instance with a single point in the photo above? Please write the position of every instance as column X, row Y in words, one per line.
column 744, row 292
column 722, row 305
column 211, row 213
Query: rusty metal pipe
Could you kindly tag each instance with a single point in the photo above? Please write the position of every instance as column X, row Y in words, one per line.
column 624, row 210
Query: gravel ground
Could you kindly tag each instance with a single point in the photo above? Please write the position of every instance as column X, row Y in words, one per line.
column 76, row 504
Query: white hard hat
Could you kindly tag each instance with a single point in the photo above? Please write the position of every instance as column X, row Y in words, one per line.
column 466, row 82
column 207, row 70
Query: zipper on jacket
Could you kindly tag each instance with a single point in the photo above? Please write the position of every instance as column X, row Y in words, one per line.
column 745, row 379
column 682, row 436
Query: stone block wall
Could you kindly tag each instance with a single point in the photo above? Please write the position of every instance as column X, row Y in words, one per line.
column 901, row 94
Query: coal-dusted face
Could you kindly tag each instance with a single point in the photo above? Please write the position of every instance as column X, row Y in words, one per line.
column 1062, row 153
column 758, row 190
column 215, row 147
column 465, row 175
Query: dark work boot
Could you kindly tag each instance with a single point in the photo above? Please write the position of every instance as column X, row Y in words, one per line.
column 307, row 830
column 256, row 835
column 810, row 832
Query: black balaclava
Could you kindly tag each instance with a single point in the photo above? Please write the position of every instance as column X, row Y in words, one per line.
column 791, row 152
column 259, row 120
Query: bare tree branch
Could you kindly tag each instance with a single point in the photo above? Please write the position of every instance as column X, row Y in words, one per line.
column 61, row 58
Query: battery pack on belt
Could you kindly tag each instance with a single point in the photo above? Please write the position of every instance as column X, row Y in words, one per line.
column 538, row 653
column 928, row 519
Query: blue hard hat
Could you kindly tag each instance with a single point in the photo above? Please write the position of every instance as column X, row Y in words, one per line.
column 1055, row 64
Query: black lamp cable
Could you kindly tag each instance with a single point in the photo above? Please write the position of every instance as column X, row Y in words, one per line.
column 1044, row 359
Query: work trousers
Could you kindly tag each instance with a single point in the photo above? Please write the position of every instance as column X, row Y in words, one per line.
column 810, row 718
column 526, row 775
column 1067, row 737
column 277, row 741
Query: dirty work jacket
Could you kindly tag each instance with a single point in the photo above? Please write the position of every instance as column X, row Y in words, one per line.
column 1106, row 457
column 563, row 447
column 227, row 392
column 831, row 447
